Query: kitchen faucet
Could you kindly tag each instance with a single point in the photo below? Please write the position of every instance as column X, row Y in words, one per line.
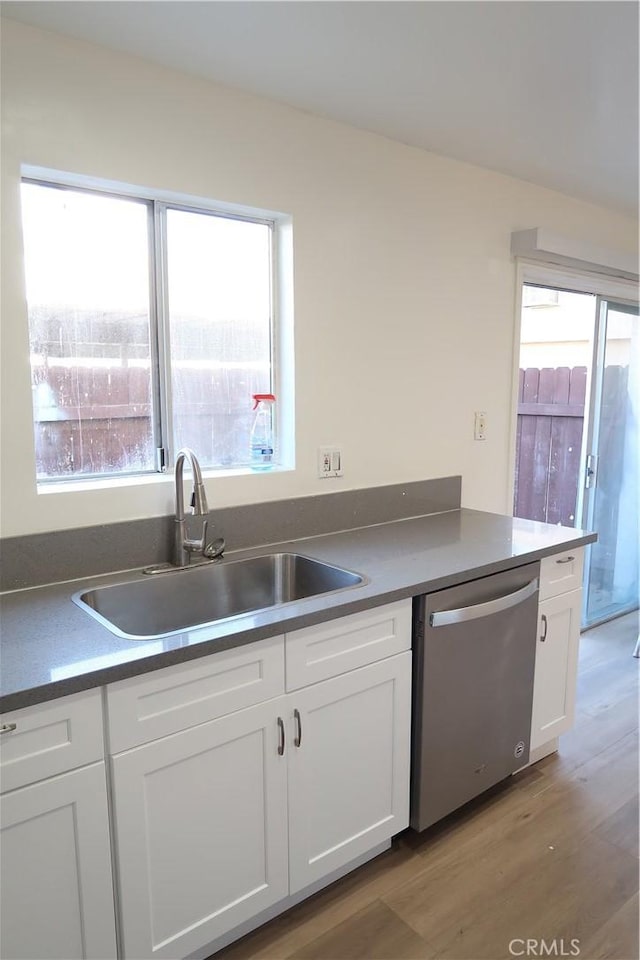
column 183, row 546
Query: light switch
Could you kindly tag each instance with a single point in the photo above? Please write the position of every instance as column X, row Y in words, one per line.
column 480, row 428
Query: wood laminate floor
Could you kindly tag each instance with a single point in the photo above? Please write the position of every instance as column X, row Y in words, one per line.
column 552, row 856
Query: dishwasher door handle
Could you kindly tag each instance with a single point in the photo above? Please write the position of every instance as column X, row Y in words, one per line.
column 441, row 618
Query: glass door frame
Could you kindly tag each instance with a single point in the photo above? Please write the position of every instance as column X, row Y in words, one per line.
column 587, row 490
column 585, row 505
column 608, row 290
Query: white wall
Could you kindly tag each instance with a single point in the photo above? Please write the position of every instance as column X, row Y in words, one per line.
column 404, row 285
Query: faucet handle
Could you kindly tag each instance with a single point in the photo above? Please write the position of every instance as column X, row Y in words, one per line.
column 203, row 538
column 214, row 549
column 197, row 546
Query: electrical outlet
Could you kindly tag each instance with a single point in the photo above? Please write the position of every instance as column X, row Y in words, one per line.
column 329, row 462
column 480, row 427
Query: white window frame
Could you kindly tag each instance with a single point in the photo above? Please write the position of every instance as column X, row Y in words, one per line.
column 281, row 320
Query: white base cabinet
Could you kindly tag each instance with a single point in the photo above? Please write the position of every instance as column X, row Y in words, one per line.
column 217, row 823
column 55, row 850
column 57, row 894
column 554, row 689
column 556, row 673
column 201, row 828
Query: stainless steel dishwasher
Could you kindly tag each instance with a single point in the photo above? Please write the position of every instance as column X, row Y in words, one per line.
column 474, row 657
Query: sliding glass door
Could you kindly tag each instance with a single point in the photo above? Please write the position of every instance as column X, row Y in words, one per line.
column 611, row 488
column 577, row 458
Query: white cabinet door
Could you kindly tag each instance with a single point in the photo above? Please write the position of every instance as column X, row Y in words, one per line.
column 554, row 689
column 349, row 776
column 57, row 891
column 201, row 831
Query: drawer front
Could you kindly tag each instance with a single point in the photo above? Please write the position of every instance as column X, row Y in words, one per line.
column 175, row 698
column 329, row 649
column 561, row 573
column 50, row 738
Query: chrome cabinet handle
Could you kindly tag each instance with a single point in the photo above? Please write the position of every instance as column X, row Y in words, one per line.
column 282, row 741
column 566, row 560
column 8, row 727
column 298, row 738
column 545, row 625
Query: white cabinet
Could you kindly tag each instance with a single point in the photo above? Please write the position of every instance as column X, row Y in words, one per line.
column 348, row 767
column 554, row 691
column 235, row 814
column 554, row 688
column 201, row 828
column 55, row 856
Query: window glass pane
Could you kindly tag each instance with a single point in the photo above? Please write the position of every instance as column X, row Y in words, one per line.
column 219, row 273
column 612, row 585
column 87, row 278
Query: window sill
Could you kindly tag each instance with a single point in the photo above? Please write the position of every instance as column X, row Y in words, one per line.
column 152, row 480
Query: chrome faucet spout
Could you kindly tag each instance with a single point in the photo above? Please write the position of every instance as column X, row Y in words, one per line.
column 183, row 546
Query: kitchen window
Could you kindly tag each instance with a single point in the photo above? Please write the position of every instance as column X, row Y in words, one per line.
column 151, row 324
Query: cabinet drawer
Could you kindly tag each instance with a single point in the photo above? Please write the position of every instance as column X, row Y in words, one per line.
column 561, row 573
column 329, row 649
column 165, row 701
column 50, row 738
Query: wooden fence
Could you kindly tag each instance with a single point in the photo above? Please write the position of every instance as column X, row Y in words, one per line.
column 551, row 404
column 94, row 419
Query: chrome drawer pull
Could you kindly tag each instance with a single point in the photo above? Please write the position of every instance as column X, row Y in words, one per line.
column 8, row 727
column 566, row 560
column 545, row 625
column 298, row 739
column 281, row 744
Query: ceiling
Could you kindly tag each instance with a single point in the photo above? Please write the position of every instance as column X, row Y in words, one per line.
column 546, row 91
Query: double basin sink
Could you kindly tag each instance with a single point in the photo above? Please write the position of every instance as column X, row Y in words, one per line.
column 189, row 598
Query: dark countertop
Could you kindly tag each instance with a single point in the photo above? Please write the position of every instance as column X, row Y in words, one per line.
column 50, row 647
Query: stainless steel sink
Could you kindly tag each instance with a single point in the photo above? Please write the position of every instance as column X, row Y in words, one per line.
column 159, row 606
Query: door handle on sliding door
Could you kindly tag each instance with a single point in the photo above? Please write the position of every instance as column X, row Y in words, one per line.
column 591, row 470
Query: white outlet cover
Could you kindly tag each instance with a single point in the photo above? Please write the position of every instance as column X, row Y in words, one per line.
column 330, row 462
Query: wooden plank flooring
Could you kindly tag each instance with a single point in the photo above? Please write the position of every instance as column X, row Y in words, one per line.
column 552, row 856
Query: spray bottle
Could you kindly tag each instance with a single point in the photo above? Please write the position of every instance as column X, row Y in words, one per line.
column 261, row 439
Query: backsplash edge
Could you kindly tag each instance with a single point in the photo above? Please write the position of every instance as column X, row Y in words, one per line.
column 41, row 558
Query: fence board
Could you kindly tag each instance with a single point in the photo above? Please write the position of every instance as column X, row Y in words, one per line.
column 561, row 488
column 548, row 444
column 542, row 447
column 551, row 410
column 525, row 491
column 519, row 422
